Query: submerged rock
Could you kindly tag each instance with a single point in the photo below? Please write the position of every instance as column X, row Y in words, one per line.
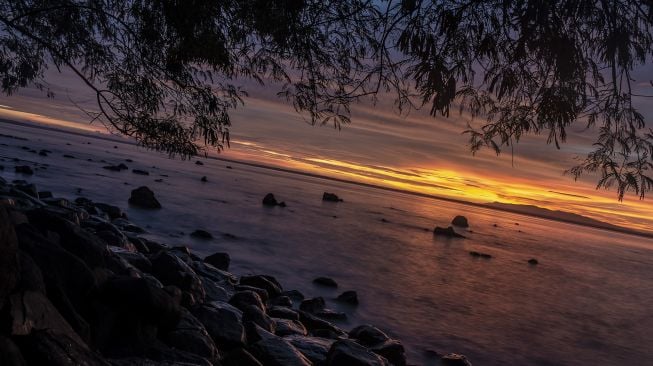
column 533, row 261
column 454, row 359
column 201, row 234
column 140, row 172
column 24, row 169
column 349, row 297
column 144, row 197
column 460, row 221
column 447, row 232
column 349, row 353
column 480, row 255
column 219, row 260
column 271, row 201
column 325, row 281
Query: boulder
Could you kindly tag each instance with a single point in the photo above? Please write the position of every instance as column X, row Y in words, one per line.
column 171, row 270
column 219, row 260
column 54, row 348
column 368, row 335
column 31, row 311
column 392, row 350
column 263, row 294
column 533, row 261
column 240, row 357
column 114, row 212
column 191, row 336
column 254, row 314
column 242, row 299
column 9, row 353
column 276, row 351
column 201, row 234
column 348, row 297
column 270, row 285
column 325, row 281
column 346, row 352
column 460, row 221
column 204, row 179
column 143, row 197
column 313, row 305
column 283, row 313
column 446, row 232
column 271, row 201
column 314, row 348
column 31, row 278
column 284, row 301
column 285, row 327
column 320, row 327
column 223, row 323
column 331, row 197
column 9, row 260
column 454, row 359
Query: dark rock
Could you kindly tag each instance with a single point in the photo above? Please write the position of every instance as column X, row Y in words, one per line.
column 114, row 212
column 136, row 259
column 313, row 305
column 9, row 260
column 276, row 351
column 144, row 197
column 240, row 357
column 460, row 221
column 113, row 168
column 54, row 348
column 319, row 326
column 9, row 353
column 30, row 189
column 294, row 294
column 219, row 260
column 480, row 255
column 270, row 200
column 68, row 156
column 254, row 314
column 533, row 261
column 283, row 313
column 242, row 299
column 454, row 359
column 129, row 160
column 448, row 232
column 122, row 166
column 197, row 162
column 171, row 270
column 349, row 297
column 284, row 301
column 286, row 327
column 349, row 353
column 270, row 285
column 201, row 234
column 45, row 194
column 229, row 167
column 330, row 197
column 24, row 169
column 392, row 350
column 263, row 294
column 31, row 311
column 368, row 335
column 31, row 278
column 140, row 172
column 325, row 281
column 214, row 292
column 204, row 179
column 314, row 348
column 191, row 336
column 43, row 153
column 223, row 323
column 330, row 314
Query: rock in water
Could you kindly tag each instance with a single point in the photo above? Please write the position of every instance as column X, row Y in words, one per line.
column 348, row 352
column 533, row 261
column 201, row 234
column 24, row 169
column 454, row 359
column 349, row 297
column 270, row 201
column 325, row 281
column 331, row 197
column 140, row 172
column 460, row 221
column 204, row 179
column 448, row 232
column 144, row 197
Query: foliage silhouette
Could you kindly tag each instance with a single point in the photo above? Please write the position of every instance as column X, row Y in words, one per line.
column 167, row 72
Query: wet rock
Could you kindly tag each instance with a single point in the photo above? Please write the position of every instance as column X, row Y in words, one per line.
column 240, row 357
column 214, row 292
column 68, row 156
column 276, row 351
column 348, row 297
column 533, row 261
column 368, row 335
column 331, row 315
column 191, row 336
column 204, row 179
column 9, row 353
column 267, row 283
column 313, row 305
column 454, row 359
column 197, row 162
column 219, row 260
column 136, row 259
column 320, row 327
column 221, row 278
column 31, row 278
column 29, row 189
column 254, row 314
column 294, row 295
column 263, row 294
column 283, row 313
column 114, row 212
column 286, row 327
column 284, row 301
column 201, row 234
column 31, row 311
column 223, row 323
column 9, row 260
column 271, row 201
column 446, row 232
column 54, row 348
column 24, row 169
column 314, row 348
column 392, row 350
column 45, row 194
column 144, row 197
column 171, row 270
column 349, row 353
column 331, row 197
column 242, row 299
column 460, row 221
column 140, row 172
column 127, row 226
column 325, row 281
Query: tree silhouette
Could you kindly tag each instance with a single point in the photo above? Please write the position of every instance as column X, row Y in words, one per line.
column 167, row 71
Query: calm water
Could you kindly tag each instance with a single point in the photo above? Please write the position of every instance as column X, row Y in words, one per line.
column 588, row 302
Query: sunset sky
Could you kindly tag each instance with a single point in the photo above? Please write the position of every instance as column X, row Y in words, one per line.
column 415, row 152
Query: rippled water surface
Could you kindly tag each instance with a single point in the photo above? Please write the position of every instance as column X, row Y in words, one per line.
column 588, row 302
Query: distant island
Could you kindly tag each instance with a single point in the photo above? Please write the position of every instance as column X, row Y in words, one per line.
column 563, row 216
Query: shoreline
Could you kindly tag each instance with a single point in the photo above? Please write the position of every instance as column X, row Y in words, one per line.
column 488, row 205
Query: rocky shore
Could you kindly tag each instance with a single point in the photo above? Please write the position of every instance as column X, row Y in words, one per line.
column 80, row 285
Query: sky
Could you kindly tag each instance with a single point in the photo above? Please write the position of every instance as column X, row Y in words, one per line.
column 415, row 152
